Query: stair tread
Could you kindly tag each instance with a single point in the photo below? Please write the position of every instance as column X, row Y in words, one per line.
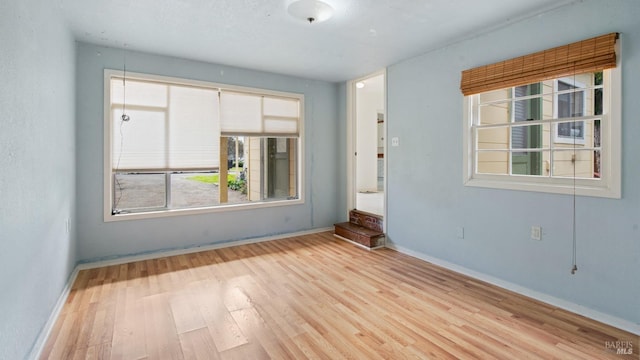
column 359, row 229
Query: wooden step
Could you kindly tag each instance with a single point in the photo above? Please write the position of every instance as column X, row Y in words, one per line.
column 365, row 219
column 360, row 234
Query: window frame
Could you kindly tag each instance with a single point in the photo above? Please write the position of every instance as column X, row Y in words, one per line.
column 607, row 186
column 108, row 174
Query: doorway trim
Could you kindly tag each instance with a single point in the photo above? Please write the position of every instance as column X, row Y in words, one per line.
column 351, row 141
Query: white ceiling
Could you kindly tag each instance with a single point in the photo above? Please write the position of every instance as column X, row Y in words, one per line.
column 363, row 36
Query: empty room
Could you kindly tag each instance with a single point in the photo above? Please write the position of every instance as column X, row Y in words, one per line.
column 322, row 179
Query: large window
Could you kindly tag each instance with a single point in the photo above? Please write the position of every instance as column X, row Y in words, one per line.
column 175, row 146
column 551, row 135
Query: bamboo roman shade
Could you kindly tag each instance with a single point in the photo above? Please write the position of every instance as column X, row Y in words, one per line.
column 589, row 55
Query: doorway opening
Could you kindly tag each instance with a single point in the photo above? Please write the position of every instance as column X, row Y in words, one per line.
column 368, row 143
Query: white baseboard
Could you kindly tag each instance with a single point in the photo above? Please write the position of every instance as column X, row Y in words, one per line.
column 38, row 347
column 41, row 341
column 545, row 298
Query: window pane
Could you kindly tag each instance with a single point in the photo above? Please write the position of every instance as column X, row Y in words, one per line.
column 587, row 163
column 530, row 136
column 527, row 90
column 202, row 189
column 280, row 169
column 596, row 163
column 591, row 133
column 496, row 95
column 526, row 137
column 571, row 103
column 195, row 189
column 494, row 114
column 597, row 78
column 570, row 130
column 137, row 191
column 493, row 138
column 271, row 168
column 527, row 109
column 237, row 165
column 597, row 102
column 237, row 186
column 527, row 163
column 597, row 94
column 236, row 152
column 583, row 133
column 493, row 162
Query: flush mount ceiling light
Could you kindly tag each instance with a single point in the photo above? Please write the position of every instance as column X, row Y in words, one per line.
column 310, row 10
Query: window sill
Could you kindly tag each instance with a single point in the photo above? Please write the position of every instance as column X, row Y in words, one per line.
column 108, row 217
column 593, row 188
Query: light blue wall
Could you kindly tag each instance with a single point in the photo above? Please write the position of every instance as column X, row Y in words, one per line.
column 37, row 180
column 428, row 202
column 97, row 239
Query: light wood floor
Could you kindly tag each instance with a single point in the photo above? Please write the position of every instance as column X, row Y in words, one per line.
column 312, row 297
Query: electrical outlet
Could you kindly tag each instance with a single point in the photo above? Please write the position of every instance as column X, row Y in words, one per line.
column 395, row 141
column 460, row 232
column 67, row 224
column 536, row 233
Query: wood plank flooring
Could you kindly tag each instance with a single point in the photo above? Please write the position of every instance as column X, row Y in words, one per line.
column 312, row 297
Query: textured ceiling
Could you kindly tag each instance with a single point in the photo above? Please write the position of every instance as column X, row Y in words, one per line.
column 363, row 35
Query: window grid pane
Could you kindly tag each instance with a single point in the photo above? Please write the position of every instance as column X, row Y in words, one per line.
column 563, row 110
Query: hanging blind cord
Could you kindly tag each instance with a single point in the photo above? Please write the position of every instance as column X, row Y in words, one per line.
column 574, row 264
column 123, row 119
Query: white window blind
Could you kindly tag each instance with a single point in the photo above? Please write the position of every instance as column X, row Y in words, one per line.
column 194, row 131
column 250, row 114
column 177, row 127
column 171, row 127
column 281, row 115
column 139, row 144
column 240, row 114
column 142, row 93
